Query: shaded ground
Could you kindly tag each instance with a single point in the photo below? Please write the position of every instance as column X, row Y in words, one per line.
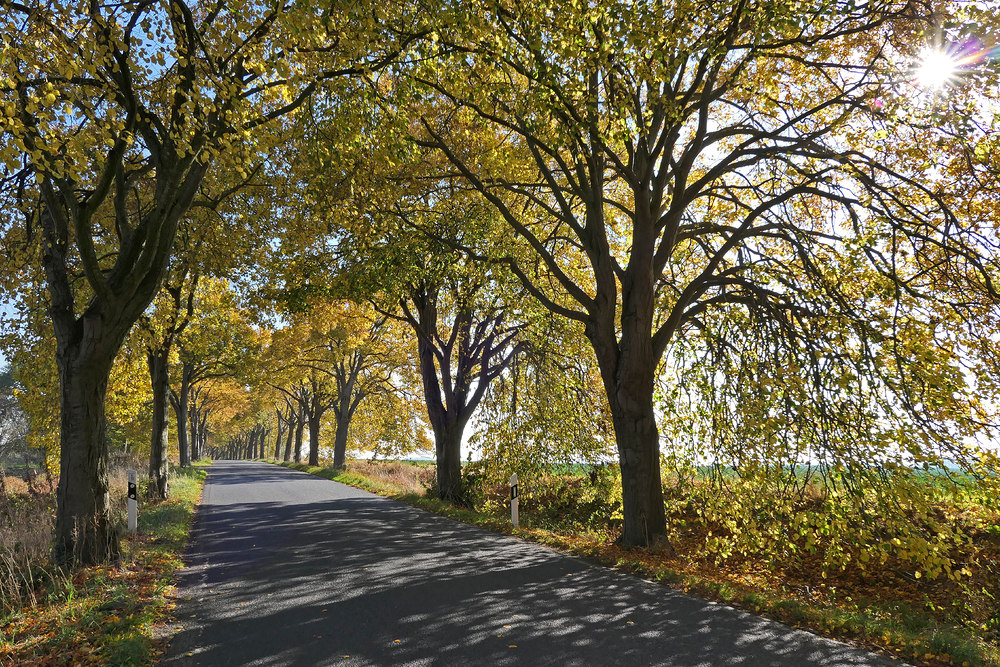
column 290, row 569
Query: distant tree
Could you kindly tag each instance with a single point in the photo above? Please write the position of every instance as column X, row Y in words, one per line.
column 384, row 229
column 332, row 357
column 13, row 420
column 218, row 340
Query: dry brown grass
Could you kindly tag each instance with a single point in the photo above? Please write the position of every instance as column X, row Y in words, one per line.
column 27, row 517
column 408, row 476
column 27, row 523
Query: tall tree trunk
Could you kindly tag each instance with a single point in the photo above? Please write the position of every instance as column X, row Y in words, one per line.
column 195, row 418
column 299, row 426
column 84, row 531
column 340, row 441
column 194, row 437
column 279, row 438
column 203, row 430
column 315, row 416
column 158, row 362
column 86, row 345
column 447, row 418
column 347, row 404
column 448, row 446
column 628, row 372
column 181, row 403
column 289, row 437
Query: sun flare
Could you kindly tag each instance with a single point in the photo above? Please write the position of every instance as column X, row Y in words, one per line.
column 936, row 69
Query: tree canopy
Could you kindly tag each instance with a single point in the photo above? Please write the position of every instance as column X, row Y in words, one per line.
column 753, row 236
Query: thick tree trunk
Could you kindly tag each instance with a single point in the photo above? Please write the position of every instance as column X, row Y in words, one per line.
column 448, row 419
column 299, row 426
column 86, row 345
column 84, row 531
column 448, row 446
column 628, row 370
column 279, row 438
column 347, row 404
column 639, row 457
column 289, row 438
column 340, row 441
column 157, row 361
column 315, row 416
column 181, row 403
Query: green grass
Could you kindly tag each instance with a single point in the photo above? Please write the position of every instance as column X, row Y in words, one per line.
column 108, row 614
column 341, row 475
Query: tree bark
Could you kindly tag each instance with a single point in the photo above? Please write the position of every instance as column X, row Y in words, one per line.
column 289, row 437
column 340, row 443
column 181, row 402
column 280, row 436
column 203, row 431
column 347, row 404
column 628, row 371
column 448, row 423
column 194, row 437
column 158, row 363
column 638, row 445
column 448, row 446
column 299, row 426
column 448, row 414
column 84, row 530
column 315, row 416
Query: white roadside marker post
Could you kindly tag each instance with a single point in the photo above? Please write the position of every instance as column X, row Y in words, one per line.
column 513, row 500
column 133, row 509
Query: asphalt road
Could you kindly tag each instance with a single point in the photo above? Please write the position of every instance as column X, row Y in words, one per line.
column 290, row 569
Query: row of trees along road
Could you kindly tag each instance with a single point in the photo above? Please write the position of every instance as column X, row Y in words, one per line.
column 113, row 115
column 706, row 187
column 685, row 185
column 335, row 356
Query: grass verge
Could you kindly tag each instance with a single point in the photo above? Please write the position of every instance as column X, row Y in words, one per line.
column 110, row 614
column 889, row 626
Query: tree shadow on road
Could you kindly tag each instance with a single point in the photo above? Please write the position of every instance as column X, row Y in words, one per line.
column 365, row 580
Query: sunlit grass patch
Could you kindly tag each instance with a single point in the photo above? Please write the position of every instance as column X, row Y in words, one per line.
column 387, row 479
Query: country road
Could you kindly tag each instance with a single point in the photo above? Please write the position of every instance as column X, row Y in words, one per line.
column 290, row 569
